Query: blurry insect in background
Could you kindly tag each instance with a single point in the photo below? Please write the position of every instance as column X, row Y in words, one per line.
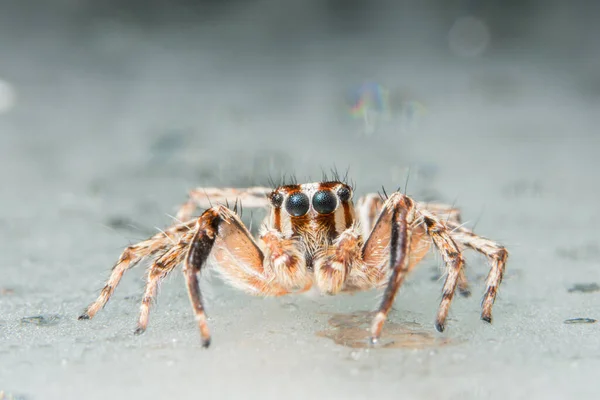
column 375, row 105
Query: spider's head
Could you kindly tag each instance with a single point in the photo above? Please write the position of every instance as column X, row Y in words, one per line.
column 312, row 207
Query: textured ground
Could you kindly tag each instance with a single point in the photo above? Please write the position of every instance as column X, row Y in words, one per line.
column 105, row 140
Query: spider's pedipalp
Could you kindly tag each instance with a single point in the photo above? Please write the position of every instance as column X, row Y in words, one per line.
column 285, row 262
column 334, row 264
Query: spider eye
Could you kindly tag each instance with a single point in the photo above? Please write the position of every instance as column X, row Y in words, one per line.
column 344, row 193
column 297, row 204
column 324, row 201
column 277, row 199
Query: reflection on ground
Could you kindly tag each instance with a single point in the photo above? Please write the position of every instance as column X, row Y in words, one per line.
column 352, row 330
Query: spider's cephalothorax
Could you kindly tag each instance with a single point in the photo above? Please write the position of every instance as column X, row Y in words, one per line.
column 312, row 236
column 314, row 213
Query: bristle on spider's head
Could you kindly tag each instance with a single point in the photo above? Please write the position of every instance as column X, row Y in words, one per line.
column 332, row 177
column 283, row 180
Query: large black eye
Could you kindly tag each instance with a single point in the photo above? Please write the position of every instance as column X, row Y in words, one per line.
column 277, row 199
column 324, row 201
column 344, row 193
column 297, row 204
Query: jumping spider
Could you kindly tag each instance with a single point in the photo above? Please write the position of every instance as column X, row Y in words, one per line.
column 312, row 235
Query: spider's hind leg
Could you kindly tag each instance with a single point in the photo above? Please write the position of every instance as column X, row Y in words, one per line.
column 464, row 289
column 453, row 259
column 130, row 257
column 444, row 212
column 496, row 254
column 450, row 215
column 156, row 274
column 367, row 209
column 252, row 197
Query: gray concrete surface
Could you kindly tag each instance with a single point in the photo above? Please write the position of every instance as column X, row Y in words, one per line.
column 111, row 126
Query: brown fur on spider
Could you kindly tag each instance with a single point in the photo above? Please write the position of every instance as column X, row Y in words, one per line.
column 312, row 236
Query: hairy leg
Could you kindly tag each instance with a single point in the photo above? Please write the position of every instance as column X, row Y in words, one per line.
column 159, row 270
column 253, row 197
column 130, row 257
column 376, row 250
column 399, row 212
column 199, row 250
column 463, row 284
column 443, row 212
column 450, row 215
column 369, row 206
column 220, row 234
column 452, row 258
column 496, row 254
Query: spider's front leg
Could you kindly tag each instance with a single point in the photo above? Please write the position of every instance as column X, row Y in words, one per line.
column 400, row 230
column 221, row 236
column 370, row 206
column 397, row 214
column 201, row 246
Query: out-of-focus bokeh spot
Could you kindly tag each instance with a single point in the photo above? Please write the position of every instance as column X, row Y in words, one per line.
column 469, row 37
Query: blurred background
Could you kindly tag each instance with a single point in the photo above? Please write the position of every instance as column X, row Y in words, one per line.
column 110, row 111
column 190, row 85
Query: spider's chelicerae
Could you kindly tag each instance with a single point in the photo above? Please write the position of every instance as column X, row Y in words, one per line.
column 312, row 235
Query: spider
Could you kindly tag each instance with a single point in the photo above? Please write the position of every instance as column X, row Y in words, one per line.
column 313, row 235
